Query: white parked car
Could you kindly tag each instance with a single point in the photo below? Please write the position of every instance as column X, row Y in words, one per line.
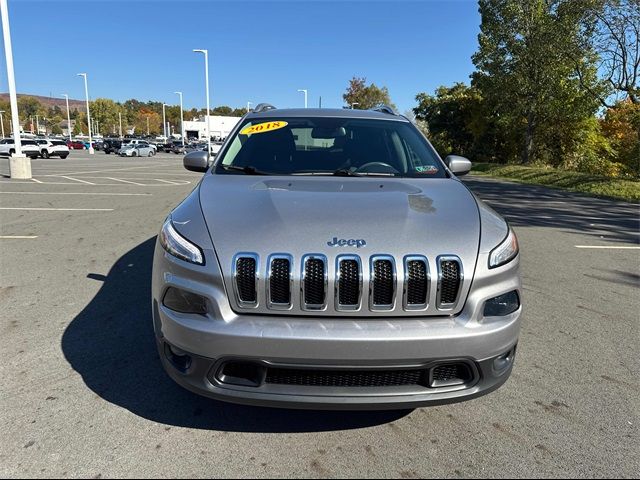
column 141, row 149
column 29, row 147
column 52, row 148
column 137, row 141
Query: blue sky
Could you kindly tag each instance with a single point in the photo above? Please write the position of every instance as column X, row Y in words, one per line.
column 258, row 51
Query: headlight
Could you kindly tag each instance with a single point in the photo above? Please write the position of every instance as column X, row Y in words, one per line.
column 178, row 246
column 505, row 252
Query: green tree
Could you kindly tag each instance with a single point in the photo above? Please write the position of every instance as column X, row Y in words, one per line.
column 529, row 54
column 222, row 110
column 365, row 96
column 105, row 112
column 454, row 118
column 29, row 107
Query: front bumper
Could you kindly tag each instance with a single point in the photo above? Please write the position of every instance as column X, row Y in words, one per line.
column 330, row 343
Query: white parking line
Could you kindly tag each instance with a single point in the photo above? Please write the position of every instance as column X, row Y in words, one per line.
column 125, row 181
column 37, row 181
column 608, row 247
column 82, row 193
column 59, row 209
column 18, row 237
column 167, row 181
column 76, row 179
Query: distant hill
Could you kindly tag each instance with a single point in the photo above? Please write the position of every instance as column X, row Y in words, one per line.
column 50, row 101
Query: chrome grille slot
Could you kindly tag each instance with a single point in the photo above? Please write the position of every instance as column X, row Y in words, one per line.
column 382, row 284
column 450, row 278
column 348, row 282
column 314, row 282
column 245, row 279
column 416, row 282
column 279, row 281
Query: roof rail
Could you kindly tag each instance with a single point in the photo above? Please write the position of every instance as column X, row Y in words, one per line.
column 263, row 107
column 385, row 109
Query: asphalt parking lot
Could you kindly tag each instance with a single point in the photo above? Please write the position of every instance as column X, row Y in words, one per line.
column 83, row 393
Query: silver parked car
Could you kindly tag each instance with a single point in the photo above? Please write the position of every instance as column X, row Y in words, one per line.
column 331, row 259
column 139, row 149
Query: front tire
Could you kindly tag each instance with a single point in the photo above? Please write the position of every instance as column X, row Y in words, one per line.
column 134, row 154
column 150, row 153
column 45, row 154
column 63, row 156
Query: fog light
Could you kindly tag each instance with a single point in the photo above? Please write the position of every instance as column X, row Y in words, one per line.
column 180, row 359
column 502, row 305
column 184, row 302
column 504, row 361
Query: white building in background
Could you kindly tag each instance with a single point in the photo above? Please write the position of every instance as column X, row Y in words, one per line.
column 219, row 126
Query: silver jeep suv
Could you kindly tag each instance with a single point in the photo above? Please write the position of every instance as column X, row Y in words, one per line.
column 331, row 259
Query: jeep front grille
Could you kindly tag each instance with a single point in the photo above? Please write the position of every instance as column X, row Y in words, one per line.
column 383, row 283
column 245, row 272
column 348, row 282
column 416, row 283
column 279, row 281
column 312, row 283
column 449, row 281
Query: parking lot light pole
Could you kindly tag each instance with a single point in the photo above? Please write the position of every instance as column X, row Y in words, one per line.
column 68, row 115
column 305, row 96
column 19, row 164
column 148, row 126
column 206, row 82
column 164, row 122
column 248, row 109
column 37, row 125
column 120, row 123
column 86, row 93
column 2, row 122
column 181, row 119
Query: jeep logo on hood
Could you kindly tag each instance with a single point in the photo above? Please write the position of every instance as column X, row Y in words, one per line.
column 341, row 242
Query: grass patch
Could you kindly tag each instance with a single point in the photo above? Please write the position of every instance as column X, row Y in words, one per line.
column 619, row 189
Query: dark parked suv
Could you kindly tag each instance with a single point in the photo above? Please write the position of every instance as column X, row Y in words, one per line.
column 112, row 145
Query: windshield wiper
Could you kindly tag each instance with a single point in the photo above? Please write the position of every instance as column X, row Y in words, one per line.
column 249, row 170
column 344, row 172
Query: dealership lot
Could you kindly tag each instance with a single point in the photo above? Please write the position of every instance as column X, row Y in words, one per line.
column 83, row 393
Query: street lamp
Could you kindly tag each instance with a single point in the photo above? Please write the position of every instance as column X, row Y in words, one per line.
column 206, row 81
column 181, row 118
column 248, row 109
column 120, row 124
column 86, row 93
column 148, row 126
column 164, row 122
column 68, row 115
column 305, row 96
column 2, row 122
column 19, row 164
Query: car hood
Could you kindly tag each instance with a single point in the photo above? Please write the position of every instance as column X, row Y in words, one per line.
column 302, row 215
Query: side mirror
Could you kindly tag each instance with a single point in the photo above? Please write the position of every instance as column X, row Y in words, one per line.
column 458, row 165
column 196, row 161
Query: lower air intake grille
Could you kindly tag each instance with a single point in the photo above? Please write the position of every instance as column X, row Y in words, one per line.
column 383, row 282
column 416, row 282
column 449, row 282
column 450, row 374
column 337, row 378
column 279, row 281
column 349, row 283
column 246, row 279
column 314, row 282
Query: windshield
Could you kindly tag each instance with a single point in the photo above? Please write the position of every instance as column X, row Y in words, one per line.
column 330, row 146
